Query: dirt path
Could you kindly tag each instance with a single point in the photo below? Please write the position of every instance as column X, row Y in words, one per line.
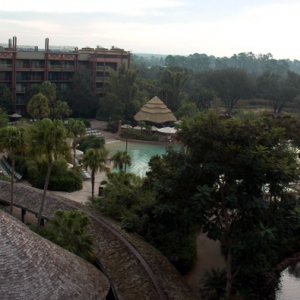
column 208, row 256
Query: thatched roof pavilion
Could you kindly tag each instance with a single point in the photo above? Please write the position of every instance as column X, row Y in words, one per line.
column 155, row 111
column 32, row 267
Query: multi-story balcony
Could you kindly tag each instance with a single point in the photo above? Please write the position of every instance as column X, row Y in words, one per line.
column 5, row 78
column 5, row 66
column 23, row 66
column 35, row 78
column 60, row 78
column 102, row 79
column 22, row 78
column 68, row 67
column 54, row 66
column 64, row 67
column 37, row 66
column 102, row 68
column 20, row 89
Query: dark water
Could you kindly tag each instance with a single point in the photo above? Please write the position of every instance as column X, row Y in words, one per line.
column 290, row 284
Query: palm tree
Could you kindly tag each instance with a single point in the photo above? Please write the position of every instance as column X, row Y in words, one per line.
column 12, row 139
column 95, row 160
column 68, row 229
column 76, row 128
column 61, row 109
column 48, row 139
column 121, row 158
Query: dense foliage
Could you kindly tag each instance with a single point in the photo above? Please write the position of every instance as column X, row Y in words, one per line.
column 68, row 229
column 232, row 181
column 138, row 135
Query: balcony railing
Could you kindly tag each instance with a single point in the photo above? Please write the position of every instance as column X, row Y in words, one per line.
column 5, row 78
column 37, row 67
column 60, row 78
column 5, row 66
column 21, row 90
column 54, row 66
column 68, row 67
column 102, row 79
column 22, row 78
column 35, row 78
column 65, row 67
column 23, row 66
column 102, row 68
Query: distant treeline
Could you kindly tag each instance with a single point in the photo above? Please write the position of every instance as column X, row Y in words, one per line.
column 255, row 64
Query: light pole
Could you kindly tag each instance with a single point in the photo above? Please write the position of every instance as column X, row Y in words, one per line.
column 126, row 141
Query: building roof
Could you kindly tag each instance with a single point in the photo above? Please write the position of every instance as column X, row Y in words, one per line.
column 155, row 111
column 32, row 267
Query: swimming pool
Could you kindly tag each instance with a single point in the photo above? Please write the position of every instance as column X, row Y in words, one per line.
column 140, row 154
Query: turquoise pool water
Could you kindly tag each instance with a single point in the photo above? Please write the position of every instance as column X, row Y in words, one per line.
column 140, row 154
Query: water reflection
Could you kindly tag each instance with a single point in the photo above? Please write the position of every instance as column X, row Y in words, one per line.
column 289, row 283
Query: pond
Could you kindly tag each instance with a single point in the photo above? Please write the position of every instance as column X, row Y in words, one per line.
column 140, row 154
column 289, row 283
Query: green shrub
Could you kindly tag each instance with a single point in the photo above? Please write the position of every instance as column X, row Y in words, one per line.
column 68, row 182
column 5, row 177
column 90, row 141
column 86, row 122
column 139, row 135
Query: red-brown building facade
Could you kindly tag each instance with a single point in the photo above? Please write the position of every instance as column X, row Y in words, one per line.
column 22, row 67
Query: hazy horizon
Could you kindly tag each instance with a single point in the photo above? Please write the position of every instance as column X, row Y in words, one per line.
column 176, row 27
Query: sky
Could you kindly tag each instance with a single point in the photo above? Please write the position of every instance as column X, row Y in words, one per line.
column 177, row 27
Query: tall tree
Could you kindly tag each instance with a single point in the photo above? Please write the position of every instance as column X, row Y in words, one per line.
column 77, row 129
column 124, row 84
column 81, row 97
column 12, row 140
column 38, row 106
column 48, row 139
column 279, row 90
column 6, row 102
column 231, row 85
column 172, row 84
column 202, row 97
column 110, row 108
column 95, row 160
column 233, row 181
column 48, row 89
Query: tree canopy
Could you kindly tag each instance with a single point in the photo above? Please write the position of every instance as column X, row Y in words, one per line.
column 233, row 181
column 38, row 106
column 6, row 102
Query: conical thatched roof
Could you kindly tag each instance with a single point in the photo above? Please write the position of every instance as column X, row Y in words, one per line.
column 32, row 267
column 155, row 111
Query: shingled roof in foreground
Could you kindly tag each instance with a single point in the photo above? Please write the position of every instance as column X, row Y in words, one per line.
column 32, row 267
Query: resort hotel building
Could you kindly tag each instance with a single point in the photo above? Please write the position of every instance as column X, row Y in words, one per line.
column 22, row 67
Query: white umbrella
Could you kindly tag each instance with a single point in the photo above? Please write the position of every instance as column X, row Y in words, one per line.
column 78, row 152
column 126, row 126
column 168, row 130
column 153, row 128
column 15, row 115
column 137, row 127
